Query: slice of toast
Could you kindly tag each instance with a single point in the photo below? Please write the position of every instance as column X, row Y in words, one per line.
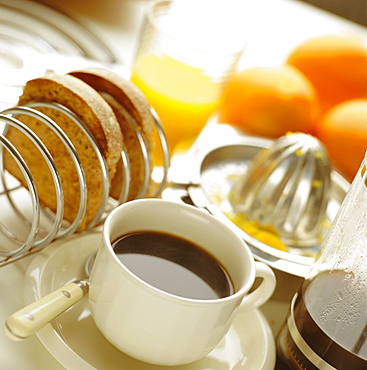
column 95, row 114
column 131, row 105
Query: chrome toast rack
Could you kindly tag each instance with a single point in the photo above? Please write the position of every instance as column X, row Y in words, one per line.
column 25, row 225
column 35, row 39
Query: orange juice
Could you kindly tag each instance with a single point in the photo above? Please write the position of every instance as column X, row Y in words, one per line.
column 183, row 96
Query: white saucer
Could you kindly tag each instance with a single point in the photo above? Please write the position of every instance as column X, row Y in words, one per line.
column 33, row 39
column 74, row 340
column 46, row 30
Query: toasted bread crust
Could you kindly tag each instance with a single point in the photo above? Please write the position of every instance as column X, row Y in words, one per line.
column 95, row 114
column 137, row 107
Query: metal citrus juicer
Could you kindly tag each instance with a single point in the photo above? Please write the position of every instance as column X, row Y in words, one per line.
column 286, row 190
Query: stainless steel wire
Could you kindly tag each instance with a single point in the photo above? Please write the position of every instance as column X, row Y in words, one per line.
column 143, row 146
column 37, row 226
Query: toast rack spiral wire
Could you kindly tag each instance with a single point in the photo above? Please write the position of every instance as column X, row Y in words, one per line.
column 22, row 216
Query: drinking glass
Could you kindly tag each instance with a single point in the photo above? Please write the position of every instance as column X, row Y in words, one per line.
column 187, row 52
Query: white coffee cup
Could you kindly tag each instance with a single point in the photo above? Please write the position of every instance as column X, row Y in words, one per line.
column 158, row 327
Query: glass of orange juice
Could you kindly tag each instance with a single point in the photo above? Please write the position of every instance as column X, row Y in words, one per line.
column 187, row 52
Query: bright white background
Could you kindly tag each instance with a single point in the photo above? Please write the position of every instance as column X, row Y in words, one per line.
column 273, row 27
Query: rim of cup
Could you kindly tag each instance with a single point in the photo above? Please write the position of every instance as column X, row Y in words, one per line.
column 250, row 263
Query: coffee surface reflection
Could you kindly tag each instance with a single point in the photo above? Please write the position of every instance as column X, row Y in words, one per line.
column 173, row 264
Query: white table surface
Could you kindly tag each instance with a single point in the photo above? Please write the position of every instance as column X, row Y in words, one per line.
column 274, row 27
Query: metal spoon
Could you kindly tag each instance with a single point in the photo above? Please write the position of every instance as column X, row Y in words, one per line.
column 33, row 317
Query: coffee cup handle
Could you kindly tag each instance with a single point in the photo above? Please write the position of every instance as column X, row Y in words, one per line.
column 262, row 292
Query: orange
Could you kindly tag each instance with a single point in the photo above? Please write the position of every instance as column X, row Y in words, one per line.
column 269, row 101
column 335, row 65
column 343, row 130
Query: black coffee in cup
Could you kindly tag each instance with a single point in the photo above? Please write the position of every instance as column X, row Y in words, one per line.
column 173, row 264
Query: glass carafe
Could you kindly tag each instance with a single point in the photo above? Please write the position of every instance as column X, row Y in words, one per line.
column 327, row 324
